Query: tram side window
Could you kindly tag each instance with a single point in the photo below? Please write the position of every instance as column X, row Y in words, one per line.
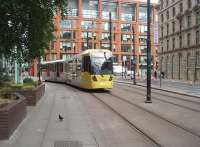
column 61, row 67
column 57, row 69
column 86, row 64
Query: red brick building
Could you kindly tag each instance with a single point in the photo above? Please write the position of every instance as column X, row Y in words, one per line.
column 92, row 16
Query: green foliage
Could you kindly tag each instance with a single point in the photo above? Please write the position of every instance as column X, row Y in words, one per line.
column 16, row 86
column 5, row 92
column 28, row 87
column 28, row 80
column 4, row 77
column 26, row 27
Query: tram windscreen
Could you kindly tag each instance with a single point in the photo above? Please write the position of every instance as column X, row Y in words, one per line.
column 101, row 65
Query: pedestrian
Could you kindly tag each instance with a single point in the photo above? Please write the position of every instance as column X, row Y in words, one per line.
column 155, row 74
column 162, row 75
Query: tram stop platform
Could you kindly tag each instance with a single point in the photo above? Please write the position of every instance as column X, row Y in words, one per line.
column 42, row 127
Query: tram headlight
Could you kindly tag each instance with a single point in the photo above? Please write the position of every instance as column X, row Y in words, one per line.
column 94, row 78
column 110, row 79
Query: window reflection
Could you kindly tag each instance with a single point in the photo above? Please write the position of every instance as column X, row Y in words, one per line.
column 143, row 49
column 128, row 12
column 143, row 14
column 126, row 48
column 72, row 9
column 66, row 24
column 109, row 7
column 90, row 8
column 87, row 25
column 126, row 27
column 143, row 28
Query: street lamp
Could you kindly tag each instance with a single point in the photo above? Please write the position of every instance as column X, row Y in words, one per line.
column 148, row 96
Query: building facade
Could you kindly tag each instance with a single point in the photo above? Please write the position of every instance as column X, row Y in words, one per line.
column 179, row 37
column 87, row 26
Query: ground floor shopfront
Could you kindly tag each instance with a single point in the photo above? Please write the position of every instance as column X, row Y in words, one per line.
column 181, row 65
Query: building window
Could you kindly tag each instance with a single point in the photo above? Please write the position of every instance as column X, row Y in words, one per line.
column 189, row 21
column 181, row 7
column 173, row 43
column 143, row 39
column 128, row 12
column 143, row 49
column 143, row 28
column 90, row 9
column 189, row 3
column 180, row 24
column 87, row 25
column 66, row 35
column 188, row 39
column 125, row 27
column 180, row 41
column 167, row 45
column 198, row 1
column 143, row 14
column 84, row 35
column 105, row 46
column 72, row 9
column 167, row 2
column 174, row 11
column 162, row 18
column 167, row 14
column 126, row 48
column 197, row 38
column 167, row 29
column 105, row 36
column 126, row 37
column 162, row 31
column 197, row 18
column 173, row 26
column 66, row 24
column 85, row 46
column 65, row 46
column 143, row 60
column 109, row 7
column 106, row 26
column 161, row 4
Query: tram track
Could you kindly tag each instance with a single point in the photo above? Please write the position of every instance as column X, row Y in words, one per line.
column 165, row 95
column 128, row 120
column 157, row 115
column 159, row 89
column 143, row 134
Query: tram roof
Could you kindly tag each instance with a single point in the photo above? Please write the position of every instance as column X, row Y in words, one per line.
column 55, row 61
column 95, row 50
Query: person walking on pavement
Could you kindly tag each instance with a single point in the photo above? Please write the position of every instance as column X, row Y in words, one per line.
column 155, row 74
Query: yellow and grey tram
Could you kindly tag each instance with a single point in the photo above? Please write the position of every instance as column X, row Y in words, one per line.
column 92, row 69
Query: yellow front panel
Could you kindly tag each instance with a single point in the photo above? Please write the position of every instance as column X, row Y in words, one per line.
column 87, row 81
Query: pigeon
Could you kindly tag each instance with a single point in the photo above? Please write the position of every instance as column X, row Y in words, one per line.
column 60, row 117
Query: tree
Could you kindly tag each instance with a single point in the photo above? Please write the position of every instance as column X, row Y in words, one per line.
column 26, row 27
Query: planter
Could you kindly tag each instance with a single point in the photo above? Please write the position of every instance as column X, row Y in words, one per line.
column 33, row 95
column 11, row 115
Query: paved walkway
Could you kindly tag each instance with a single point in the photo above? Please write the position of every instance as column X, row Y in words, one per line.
column 41, row 128
column 171, row 85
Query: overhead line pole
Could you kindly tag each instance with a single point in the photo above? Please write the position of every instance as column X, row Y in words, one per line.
column 148, row 96
column 110, row 30
column 134, row 56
